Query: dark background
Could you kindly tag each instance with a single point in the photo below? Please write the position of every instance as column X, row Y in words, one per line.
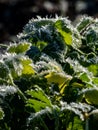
column 14, row 14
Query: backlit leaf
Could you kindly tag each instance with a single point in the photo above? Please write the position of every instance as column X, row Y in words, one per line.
column 27, row 66
column 21, row 47
column 94, row 69
column 91, row 96
column 38, row 100
column 19, row 65
column 64, row 31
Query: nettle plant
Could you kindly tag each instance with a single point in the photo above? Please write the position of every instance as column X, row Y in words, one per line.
column 49, row 76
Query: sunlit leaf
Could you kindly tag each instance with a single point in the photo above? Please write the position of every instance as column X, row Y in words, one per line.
column 78, row 85
column 27, row 66
column 41, row 45
column 19, row 65
column 84, row 77
column 58, row 78
column 64, row 31
column 51, row 81
column 95, row 80
column 54, row 77
column 94, row 69
column 22, row 47
column 91, row 96
column 38, row 100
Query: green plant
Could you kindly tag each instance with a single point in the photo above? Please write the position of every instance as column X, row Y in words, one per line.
column 49, row 78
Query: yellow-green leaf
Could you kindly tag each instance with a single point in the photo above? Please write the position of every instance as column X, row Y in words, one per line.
column 19, row 48
column 27, row 67
column 66, row 36
column 91, row 96
column 93, row 69
column 58, row 78
column 65, row 32
column 39, row 100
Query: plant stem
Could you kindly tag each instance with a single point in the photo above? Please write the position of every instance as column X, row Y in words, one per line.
column 87, row 124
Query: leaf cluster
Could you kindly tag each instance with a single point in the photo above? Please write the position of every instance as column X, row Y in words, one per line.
column 49, row 77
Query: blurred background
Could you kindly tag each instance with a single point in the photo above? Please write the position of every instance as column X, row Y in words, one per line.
column 14, row 14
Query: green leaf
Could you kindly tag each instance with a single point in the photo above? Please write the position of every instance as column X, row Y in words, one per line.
column 58, row 78
column 21, row 47
column 55, row 77
column 14, row 65
column 91, row 36
column 91, row 96
column 84, row 23
column 38, row 100
column 27, row 66
column 4, row 70
column 38, row 119
column 67, row 37
column 3, row 81
column 1, row 113
column 64, row 31
column 94, row 69
column 95, row 80
column 84, row 77
column 76, row 125
column 19, row 65
column 41, row 45
column 37, row 105
column 37, row 23
column 77, row 108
